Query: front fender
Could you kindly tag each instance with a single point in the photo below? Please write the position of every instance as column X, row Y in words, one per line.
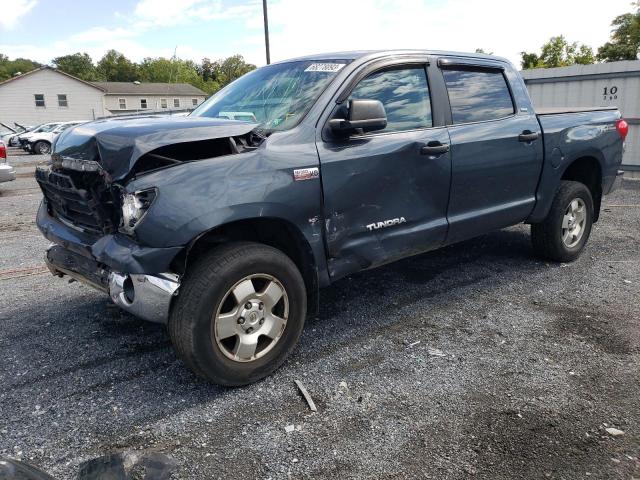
column 196, row 197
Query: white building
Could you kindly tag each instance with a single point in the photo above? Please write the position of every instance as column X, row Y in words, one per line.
column 49, row 95
column 603, row 84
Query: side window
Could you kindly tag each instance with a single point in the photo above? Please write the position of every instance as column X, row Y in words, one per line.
column 39, row 99
column 404, row 92
column 477, row 95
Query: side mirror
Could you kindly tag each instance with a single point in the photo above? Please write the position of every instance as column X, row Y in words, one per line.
column 365, row 115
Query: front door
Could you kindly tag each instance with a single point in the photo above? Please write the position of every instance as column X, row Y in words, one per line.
column 386, row 192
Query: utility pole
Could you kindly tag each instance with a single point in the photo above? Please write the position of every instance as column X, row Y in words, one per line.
column 266, row 30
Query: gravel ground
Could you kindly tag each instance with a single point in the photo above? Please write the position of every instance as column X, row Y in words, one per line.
column 474, row 361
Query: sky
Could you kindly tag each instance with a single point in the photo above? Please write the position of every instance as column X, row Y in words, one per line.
column 44, row 29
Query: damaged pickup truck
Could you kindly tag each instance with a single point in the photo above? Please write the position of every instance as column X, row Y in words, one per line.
column 225, row 230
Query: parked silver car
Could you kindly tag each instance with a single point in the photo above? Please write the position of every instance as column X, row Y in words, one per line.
column 7, row 172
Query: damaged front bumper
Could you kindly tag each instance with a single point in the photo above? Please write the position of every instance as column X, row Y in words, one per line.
column 134, row 276
column 146, row 296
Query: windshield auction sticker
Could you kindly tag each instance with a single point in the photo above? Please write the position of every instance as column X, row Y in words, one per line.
column 324, row 67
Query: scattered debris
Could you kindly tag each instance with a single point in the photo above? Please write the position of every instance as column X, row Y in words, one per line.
column 343, row 384
column 411, row 344
column 306, row 395
column 289, row 428
column 436, row 352
column 627, row 281
column 614, row 432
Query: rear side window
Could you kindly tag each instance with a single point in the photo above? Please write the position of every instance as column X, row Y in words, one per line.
column 404, row 92
column 477, row 95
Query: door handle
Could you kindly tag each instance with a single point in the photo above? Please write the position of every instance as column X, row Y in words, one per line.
column 434, row 148
column 528, row 136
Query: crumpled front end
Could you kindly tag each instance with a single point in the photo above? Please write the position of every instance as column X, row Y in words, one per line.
column 87, row 208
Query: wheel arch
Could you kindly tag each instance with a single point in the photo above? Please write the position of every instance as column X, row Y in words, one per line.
column 587, row 169
column 276, row 232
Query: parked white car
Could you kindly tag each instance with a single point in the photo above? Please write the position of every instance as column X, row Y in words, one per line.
column 45, row 127
column 10, row 139
column 7, row 172
column 41, row 142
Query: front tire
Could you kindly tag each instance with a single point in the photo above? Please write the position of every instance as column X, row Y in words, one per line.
column 41, row 148
column 563, row 234
column 239, row 313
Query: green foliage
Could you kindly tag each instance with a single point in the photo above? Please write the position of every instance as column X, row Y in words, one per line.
column 115, row 67
column 529, row 60
column 8, row 68
column 625, row 38
column 481, row 50
column 78, row 64
column 584, row 56
column 558, row 52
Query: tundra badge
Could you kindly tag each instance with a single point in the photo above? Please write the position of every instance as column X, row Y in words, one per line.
column 300, row 174
column 385, row 223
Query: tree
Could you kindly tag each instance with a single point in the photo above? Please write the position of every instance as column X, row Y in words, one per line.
column 584, row 56
column 232, row 68
column 115, row 67
column 529, row 60
column 481, row 50
column 558, row 52
column 8, row 68
column 625, row 38
column 78, row 64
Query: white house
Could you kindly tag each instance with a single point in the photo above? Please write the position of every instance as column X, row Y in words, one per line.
column 49, row 95
column 127, row 97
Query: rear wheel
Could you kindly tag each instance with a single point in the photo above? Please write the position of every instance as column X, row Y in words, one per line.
column 561, row 237
column 239, row 313
column 41, row 148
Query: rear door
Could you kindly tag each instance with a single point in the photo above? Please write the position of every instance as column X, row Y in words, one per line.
column 496, row 149
column 386, row 192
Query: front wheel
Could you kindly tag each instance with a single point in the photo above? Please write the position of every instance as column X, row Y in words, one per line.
column 562, row 235
column 239, row 313
column 41, row 148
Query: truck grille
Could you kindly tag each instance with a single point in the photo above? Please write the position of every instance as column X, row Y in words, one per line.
column 81, row 207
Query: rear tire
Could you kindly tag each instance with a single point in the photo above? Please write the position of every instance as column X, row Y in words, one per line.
column 213, row 329
column 562, row 235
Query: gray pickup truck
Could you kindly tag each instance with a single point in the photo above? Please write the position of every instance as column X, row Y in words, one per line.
column 225, row 230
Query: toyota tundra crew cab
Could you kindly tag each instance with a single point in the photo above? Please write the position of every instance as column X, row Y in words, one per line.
column 225, row 226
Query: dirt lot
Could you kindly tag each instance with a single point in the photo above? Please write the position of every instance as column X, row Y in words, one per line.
column 519, row 369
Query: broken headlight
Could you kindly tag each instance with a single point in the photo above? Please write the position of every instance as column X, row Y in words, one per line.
column 134, row 207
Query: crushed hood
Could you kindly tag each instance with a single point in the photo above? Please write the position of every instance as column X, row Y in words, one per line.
column 117, row 143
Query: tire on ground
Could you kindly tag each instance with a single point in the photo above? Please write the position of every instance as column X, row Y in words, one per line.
column 204, row 287
column 41, row 145
column 546, row 236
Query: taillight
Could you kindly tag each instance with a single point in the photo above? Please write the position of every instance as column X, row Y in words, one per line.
column 3, row 152
column 623, row 128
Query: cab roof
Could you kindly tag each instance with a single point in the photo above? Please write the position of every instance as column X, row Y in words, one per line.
column 373, row 54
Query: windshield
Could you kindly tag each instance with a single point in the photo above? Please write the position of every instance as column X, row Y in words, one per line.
column 275, row 96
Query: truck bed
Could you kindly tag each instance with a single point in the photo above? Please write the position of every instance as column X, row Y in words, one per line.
column 558, row 110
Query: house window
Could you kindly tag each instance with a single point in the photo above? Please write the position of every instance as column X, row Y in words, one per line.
column 163, row 102
column 62, row 100
column 194, row 101
column 122, row 102
column 143, row 103
column 176, row 103
column 39, row 99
